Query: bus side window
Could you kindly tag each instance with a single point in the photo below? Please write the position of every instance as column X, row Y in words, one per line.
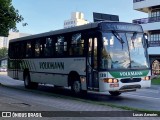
column 77, row 45
column 18, row 50
column 22, row 50
column 60, row 45
column 48, row 47
column 90, row 47
column 37, row 48
column 28, row 49
column 12, row 53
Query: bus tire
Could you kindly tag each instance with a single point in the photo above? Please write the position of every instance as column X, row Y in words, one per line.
column 114, row 93
column 76, row 87
column 28, row 84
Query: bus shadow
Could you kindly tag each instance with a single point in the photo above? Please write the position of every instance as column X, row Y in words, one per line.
column 89, row 96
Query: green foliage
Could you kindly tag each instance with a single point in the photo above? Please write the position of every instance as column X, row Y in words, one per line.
column 3, row 52
column 9, row 16
column 156, row 81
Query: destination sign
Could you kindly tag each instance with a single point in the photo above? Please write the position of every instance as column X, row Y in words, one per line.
column 121, row 27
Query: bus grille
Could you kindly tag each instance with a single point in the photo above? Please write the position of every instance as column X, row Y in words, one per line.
column 130, row 80
column 130, row 87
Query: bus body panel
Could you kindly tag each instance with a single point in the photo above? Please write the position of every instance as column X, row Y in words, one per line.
column 45, row 78
column 51, row 70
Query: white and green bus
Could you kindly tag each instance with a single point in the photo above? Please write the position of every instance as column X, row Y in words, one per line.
column 102, row 56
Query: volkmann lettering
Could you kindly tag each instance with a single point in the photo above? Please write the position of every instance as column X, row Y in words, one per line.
column 124, row 74
column 51, row 65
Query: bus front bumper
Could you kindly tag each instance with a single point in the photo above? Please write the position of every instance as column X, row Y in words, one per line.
column 127, row 87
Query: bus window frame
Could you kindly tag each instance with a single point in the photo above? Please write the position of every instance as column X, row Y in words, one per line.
column 71, row 45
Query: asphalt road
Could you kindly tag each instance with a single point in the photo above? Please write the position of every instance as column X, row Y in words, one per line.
column 14, row 97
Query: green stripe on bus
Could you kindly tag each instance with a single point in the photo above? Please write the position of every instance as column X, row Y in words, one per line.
column 136, row 73
column 25, row 62
column 29, row 66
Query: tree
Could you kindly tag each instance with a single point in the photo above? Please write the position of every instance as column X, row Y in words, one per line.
column 3, row 52
column 9, row 16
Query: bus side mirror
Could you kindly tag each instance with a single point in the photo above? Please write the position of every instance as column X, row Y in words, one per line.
column 146, row 39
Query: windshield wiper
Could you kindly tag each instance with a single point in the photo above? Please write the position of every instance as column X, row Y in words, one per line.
column 118, row 37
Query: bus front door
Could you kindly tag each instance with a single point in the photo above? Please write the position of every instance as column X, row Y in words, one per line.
column 93, row 82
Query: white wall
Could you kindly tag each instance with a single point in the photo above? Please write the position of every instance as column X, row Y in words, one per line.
column 77, row 18
column 151, row 26
column 154, row 50
column 146, row 4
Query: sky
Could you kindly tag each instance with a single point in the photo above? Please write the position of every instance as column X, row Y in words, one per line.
column 47, row 15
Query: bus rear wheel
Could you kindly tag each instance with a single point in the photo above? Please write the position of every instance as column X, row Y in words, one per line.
column 114, row 93
column 28, row 84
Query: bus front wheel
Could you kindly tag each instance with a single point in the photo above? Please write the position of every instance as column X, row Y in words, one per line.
column 76, row 87
column 114, row 93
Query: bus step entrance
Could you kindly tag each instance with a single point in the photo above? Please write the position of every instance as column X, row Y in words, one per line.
column 93, row 81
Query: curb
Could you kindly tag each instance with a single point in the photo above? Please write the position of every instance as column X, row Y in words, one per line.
column 155, row 87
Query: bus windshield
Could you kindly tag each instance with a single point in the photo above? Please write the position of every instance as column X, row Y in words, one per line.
column 127, row 55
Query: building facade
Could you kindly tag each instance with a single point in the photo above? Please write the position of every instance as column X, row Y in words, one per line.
column 77, row 18
column 4, row 41
column 151, row 26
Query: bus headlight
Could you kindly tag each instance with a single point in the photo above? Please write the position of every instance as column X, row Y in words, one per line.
column 115, row 81
column 146, row 78
column 110, row 80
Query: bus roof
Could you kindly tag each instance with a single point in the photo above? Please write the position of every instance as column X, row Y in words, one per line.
column 106, row 25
